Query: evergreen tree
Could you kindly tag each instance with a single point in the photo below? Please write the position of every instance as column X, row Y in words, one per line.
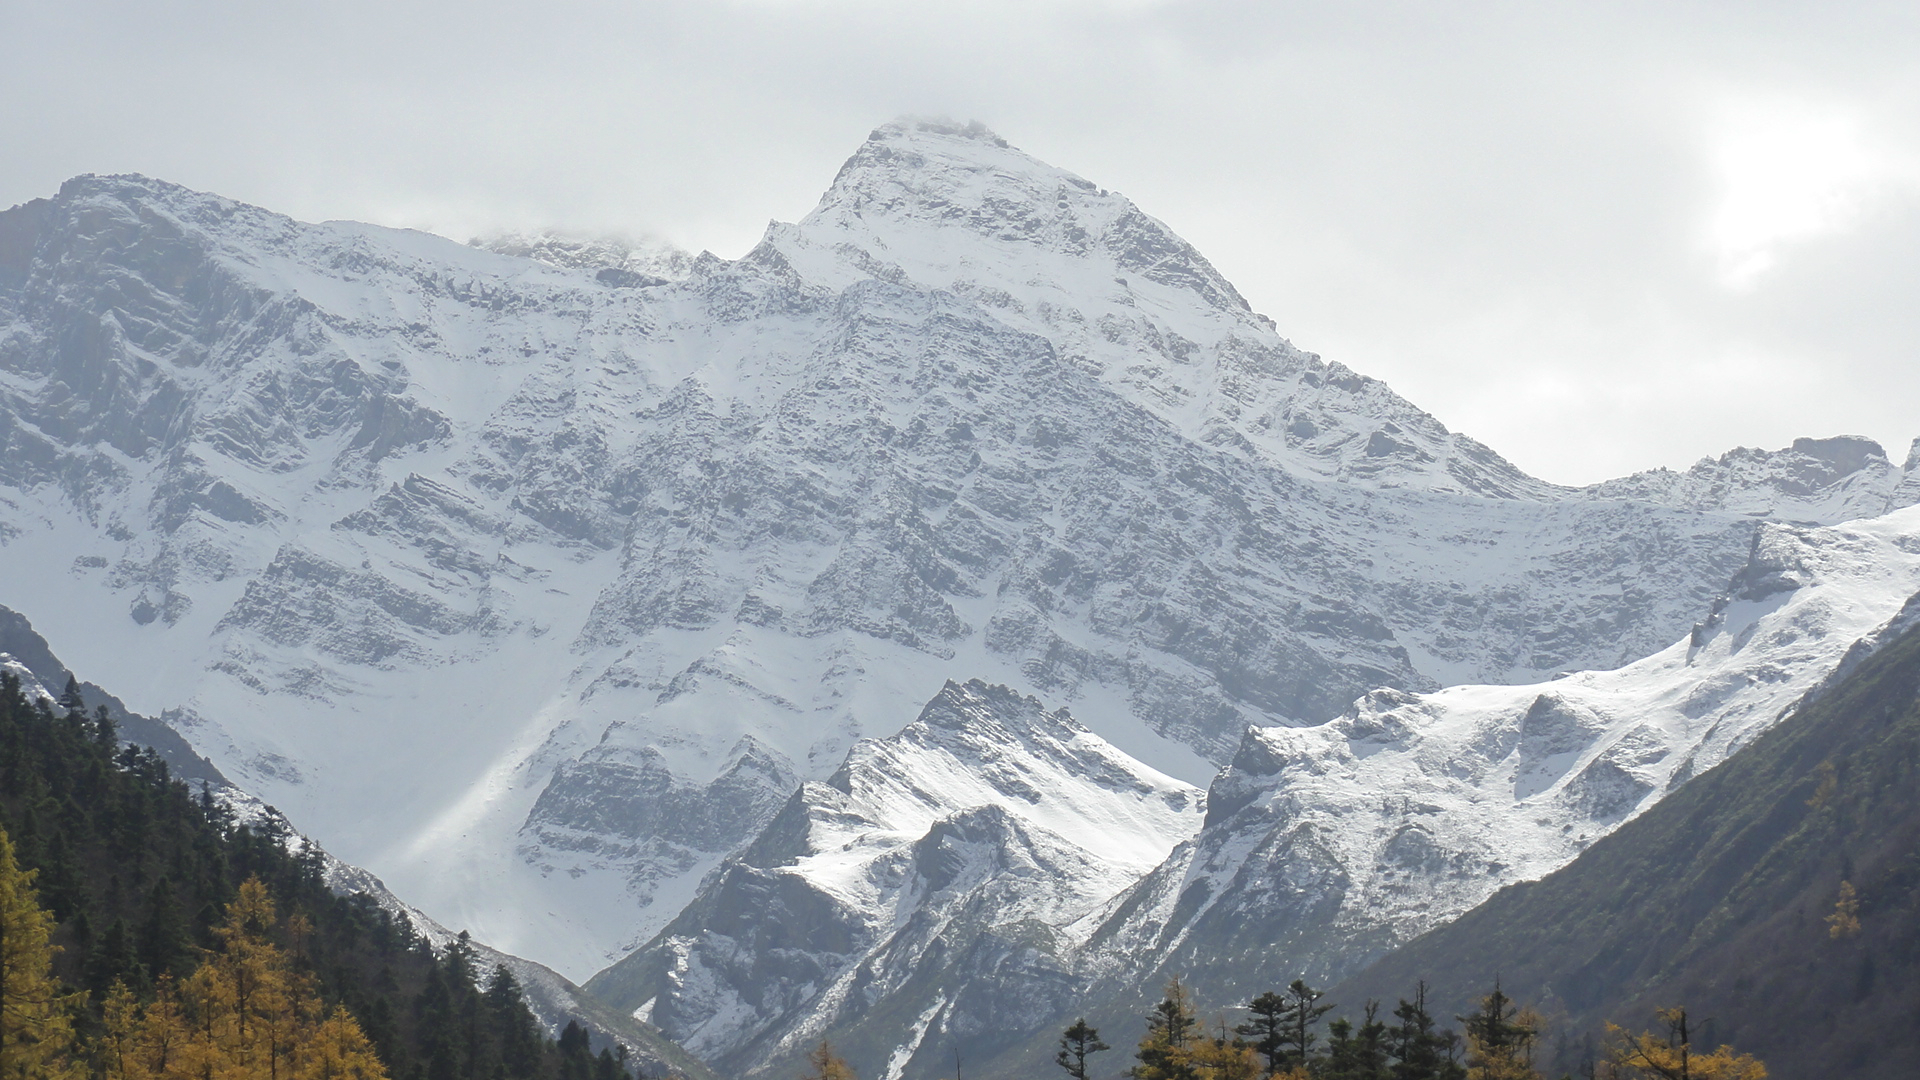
column 164, row 937
column 1301, row 1013
column 1078, row 1043
column 1500, row 1039
column 112, row 961
column 71, row 700
column 36, row 1036
column 1357, row 1053
column 1420, row 1051
column 576, row 1053
column 1166, row 1051
column 519, row 1036
column 1267, row 1027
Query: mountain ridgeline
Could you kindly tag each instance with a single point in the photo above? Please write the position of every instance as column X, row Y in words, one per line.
column 959, row 611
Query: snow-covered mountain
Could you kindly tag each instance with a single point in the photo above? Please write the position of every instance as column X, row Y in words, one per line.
column 1322, row 848
column 932, row 875
column 1325, row 846
column 537, row 579
column 1814, row 480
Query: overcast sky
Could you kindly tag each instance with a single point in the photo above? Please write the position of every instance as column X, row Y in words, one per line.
column 1600, row 237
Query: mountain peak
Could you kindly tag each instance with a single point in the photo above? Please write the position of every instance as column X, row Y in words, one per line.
column 907, row 128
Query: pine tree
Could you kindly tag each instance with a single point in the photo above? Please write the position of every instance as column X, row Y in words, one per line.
column 36, row 1036
column 1302, row 1013
column 1357, row 1053
column 519, row 1036
column 1500, row 1039
column 1078, row 1043
column 164, row 938
column 1648, row 1056
column 1268, row 1029
column 1166, row 1051
column 71, row 700
column 112, row 960
column 1419, row 1050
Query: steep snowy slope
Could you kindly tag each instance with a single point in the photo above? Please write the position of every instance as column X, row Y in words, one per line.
column 931, row 876
column 1326, row 846
column 1118, row 294
column 536, row 589
column 1322, row 846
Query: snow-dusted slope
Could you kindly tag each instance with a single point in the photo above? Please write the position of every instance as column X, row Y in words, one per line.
column 535, row 589
column 1326, row 846
column 955, row 208
column 1814, row 480
column 920, row 893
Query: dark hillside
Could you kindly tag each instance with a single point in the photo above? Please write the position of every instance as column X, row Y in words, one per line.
column 1721, row 899
column 137, row 868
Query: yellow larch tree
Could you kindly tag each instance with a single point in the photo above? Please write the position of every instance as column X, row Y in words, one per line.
column 36, row 1029
column 1651, row 1056
column 245, row 1013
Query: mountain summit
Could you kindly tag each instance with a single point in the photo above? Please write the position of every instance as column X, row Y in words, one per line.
column 538, row 580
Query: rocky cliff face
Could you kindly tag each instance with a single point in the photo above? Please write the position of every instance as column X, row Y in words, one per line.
column 924, row 892
column 537, row 588
column 1322, row 847
column 1325, row 846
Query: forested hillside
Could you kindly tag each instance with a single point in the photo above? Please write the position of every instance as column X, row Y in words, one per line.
column 141, row 874
column 1776, row 897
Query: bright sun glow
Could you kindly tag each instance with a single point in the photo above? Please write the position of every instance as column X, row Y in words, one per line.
column 1787, row 172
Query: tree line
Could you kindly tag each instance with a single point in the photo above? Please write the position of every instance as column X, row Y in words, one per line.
column 1283, row 1039
column 1286, row 1037
column 150, row 935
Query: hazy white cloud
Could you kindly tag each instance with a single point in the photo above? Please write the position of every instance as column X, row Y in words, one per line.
column 1791, row 170
column 1599, row 237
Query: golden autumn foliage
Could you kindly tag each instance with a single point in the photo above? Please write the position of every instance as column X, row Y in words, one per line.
column 1500, row 1039
column 36, row 1033
column 824, row 1064
column 245, row 1014
column 1651, row 1056
column 1223, row 1059
column 1845, row 920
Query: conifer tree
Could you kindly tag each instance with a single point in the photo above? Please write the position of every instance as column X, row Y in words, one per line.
column 1302, row 1013
column 1648, row 1056
column 1420, row 1051
column 1357, row 1053
column 244, row 1014
column 1268, row 1029
column 164, row 938
column 824, row 1064
column 1221, row 1058
column 112, row 960
column 519, row 1037
column 36, row 1036
column 1166, row 1051
column 1078, row 1043
column 1500, row 1039
column 71, row 699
